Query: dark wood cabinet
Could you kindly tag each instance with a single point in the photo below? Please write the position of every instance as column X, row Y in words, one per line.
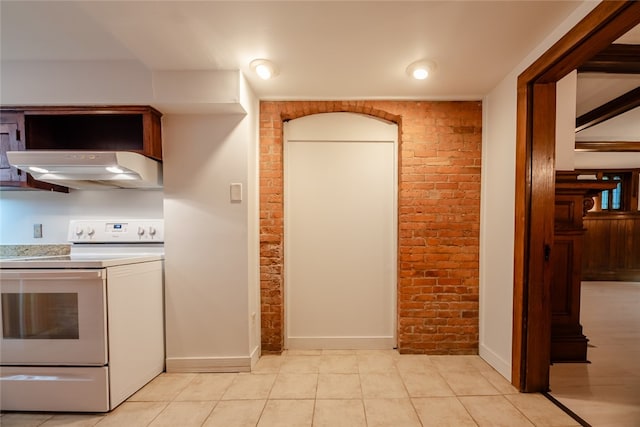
column 612, row 246
column 12, row 138
column 126, row 128
column 573, row 198
column 101, row 128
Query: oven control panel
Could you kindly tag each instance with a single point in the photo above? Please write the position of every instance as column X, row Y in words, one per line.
column 115, row 231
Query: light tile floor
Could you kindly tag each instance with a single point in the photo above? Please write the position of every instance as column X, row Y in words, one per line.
column 327, row 388
column 605, row 392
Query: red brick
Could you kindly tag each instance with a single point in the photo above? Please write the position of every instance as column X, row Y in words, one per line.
column 438, row 208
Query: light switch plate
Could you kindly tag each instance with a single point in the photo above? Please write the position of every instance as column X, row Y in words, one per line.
column 37, row 231
column 236, row 192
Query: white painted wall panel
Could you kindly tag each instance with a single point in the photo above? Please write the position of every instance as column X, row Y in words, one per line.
column 340, row 232
column 566, row 121
column 206, row 237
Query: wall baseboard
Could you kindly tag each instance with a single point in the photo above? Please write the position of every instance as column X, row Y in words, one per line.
column 209, row 364
column 340, row 343
column 255, row 356
column 498, row 363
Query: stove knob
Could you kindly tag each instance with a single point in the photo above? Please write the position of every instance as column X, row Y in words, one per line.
column 140, row 231
column 79, row 231
column 91, row 231
column 152, row 231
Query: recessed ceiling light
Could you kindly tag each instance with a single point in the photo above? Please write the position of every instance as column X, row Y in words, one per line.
column 264, row 68
column 420, row 70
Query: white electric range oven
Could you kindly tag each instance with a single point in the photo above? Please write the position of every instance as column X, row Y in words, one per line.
column 83, row 332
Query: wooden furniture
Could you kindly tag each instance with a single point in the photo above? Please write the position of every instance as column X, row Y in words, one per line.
column 12, row 138
column 573, row 198
column 612, row 246
column 535, row 146
column 103, row 128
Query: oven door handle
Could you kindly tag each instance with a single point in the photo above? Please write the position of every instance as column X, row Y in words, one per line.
column 52, row 274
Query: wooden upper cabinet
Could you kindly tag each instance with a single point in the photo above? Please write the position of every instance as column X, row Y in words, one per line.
column 12, row 138
column 102, row 128
column 99, row 128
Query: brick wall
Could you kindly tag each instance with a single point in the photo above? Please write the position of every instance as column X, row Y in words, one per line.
column 438, row 219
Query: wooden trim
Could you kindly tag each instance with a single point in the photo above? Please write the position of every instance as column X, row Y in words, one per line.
column 606, row 146
column 607, row 22
column 535, row 145
column 578, row 36
column 82, row 109
column 541, row 233
column 613, row 215
column 609, row 110
column 615, row 59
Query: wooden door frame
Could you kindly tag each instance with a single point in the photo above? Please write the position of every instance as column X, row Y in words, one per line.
column 535, row 184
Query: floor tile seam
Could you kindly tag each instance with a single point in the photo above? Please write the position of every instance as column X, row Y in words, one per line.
column 495, row 389
column 478, row 421
column 402, row 378
column 415, row 410
column 520, row 411
column 479, row 395
column 215, row 405
column 406, row 389
column 364, row 409
column 447, row 397
column 264, row 405
column 439, row 374
column 176, row 398
column 43, row 421
column 339, row 398
column 313, row 411
column 383, row 372
column 166, row 405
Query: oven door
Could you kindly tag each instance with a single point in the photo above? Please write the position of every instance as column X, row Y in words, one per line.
column 53, row 317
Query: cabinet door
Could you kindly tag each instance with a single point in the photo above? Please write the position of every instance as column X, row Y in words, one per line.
column 10, row 141
column 12, row 138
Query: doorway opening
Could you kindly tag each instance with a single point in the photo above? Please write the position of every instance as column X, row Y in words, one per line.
column 535, row 184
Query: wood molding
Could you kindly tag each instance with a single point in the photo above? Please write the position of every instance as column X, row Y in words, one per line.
column 615, row 107
column 615, row 59
column 607, row 146
column 603, row 25
column 535, row 145
column 612, row 246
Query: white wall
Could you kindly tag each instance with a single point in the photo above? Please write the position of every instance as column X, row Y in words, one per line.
column 211, row 244
column 497, row 207
column 566, row 90
column 251, row 105
column 624, row 127
column 211, row 257
column 75, row 82
column 19, row 210
column 497, row 202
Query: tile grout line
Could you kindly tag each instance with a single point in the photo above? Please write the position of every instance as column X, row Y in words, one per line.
column 457, row 396
column 415, row 411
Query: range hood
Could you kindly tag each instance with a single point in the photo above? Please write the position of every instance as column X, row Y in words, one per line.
column 89, row 170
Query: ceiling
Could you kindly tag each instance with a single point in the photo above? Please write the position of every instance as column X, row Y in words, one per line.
column 324, row 49
column 596, row 88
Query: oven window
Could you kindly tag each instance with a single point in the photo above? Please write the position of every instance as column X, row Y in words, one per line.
column 40, row 316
